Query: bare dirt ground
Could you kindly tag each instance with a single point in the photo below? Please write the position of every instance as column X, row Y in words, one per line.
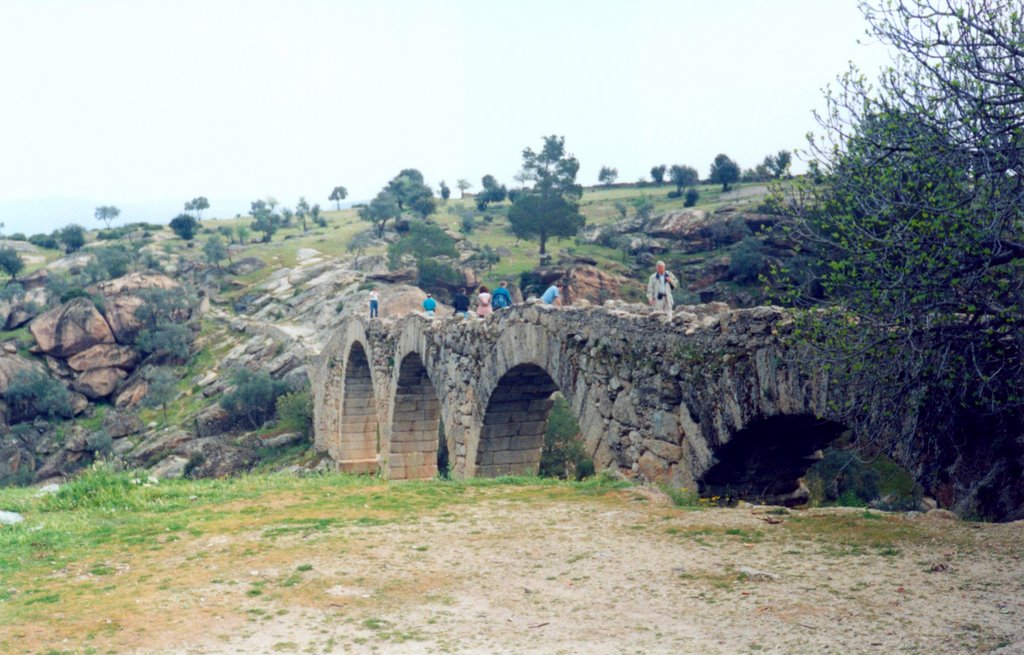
column 548, row 571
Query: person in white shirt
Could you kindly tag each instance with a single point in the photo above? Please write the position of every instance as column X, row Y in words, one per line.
column 659, row 290
column 374, row 303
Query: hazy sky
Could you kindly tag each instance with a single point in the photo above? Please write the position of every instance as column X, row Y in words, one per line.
column 147, row 104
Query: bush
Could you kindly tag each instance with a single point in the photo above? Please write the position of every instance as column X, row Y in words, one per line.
column 564, row 455
column 254, row 397
column 467, row 224
column 674, row 194
column 843, row 478
column 17, row 236
column 185, row 226
column 44, row 241
column 692, row 195
column 33, row 393
column 12, row 291
column 72, row 237
column 748, row 261
column 295, row 412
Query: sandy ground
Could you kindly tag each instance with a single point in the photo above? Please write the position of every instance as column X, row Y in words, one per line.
column 510, row 569
column 622, row 573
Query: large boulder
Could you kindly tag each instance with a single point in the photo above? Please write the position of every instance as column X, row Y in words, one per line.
column 70, row 329
column 121, row 300
column 246, row 265
column 132, row 394
column 99, row 383
column 591, row 283
column 104, row 355
column 121, row 424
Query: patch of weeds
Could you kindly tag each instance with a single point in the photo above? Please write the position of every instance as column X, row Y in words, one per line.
column 682, row 497
column 304, row 567
column 291, row 580
column 375, row 624
column 285, row 647
column 101, row 569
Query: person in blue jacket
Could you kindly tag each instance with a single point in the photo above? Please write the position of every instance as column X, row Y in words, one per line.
column 429, row 305
column 501, row 297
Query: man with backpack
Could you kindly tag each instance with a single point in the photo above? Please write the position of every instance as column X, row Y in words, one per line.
column 501, row 297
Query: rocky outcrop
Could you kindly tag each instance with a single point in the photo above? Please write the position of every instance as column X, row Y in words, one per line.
column 217, row 460
column 587, row 282
column 121, row 301
column 246, row 265
column 104, row 355
column 70, row 329
column 99, row 383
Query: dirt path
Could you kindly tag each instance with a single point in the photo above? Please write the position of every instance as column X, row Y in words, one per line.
column 620, row 573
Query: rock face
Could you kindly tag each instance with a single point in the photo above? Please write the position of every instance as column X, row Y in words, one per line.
column 104, row 355
column 591, row 283
column 99, row 383
column 70, row 329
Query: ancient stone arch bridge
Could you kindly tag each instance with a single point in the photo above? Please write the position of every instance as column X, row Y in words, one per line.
column 710, row 399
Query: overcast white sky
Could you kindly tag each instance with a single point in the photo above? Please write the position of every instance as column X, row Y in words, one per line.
column 146, row 104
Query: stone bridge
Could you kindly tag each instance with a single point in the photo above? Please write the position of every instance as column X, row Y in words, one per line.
column 708, row 401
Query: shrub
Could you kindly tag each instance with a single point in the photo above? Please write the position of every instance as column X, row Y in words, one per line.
column 185, row 226
column 44, row 241
column 564, row 455
column 33, row 393
column 692, row 195
column 674, row 194
column 748, row 261
column 467, row 224
column 843, row 478
column 12, row 291
column 295, row 412
column 17, row 236
column 254, row 397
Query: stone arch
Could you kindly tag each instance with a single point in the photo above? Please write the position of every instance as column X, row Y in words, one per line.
column 358, row 448
column 415, row 417
column 512, row 434
column 765, row 460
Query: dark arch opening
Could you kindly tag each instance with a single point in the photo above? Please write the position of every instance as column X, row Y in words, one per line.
column 765, row 461
column 358, row 416
column 415, row 423
column 512, row 435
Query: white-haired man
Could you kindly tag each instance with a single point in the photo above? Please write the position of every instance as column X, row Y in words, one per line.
column 659, row 290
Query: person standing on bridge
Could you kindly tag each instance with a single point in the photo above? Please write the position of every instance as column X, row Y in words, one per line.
column 461, row 304
column 659, row 290
column 483, row 302
column 374, row 303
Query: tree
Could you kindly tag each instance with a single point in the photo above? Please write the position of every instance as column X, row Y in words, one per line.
column 412, row 193
column 264, row 219
column 107, row 213
column 724, row 171
column 253, row 396
column 492, row 192
column 243, row 234
column 423, row 241
column 72, row 236
column 338, row 194
column 185, row 226
column 683, row 176
column 11, row 261
column 778, row 165
column 552, row 170
column 915, row 233
column 463, row 186
column 197, row 205
column 534, row 215
column 380, row 209
column 301, row 211
column 658, row 174
column 446, row 193
column 215, row 251
column 316, row 216
column 607, row 176
column 549, row 208
column 161, row 389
